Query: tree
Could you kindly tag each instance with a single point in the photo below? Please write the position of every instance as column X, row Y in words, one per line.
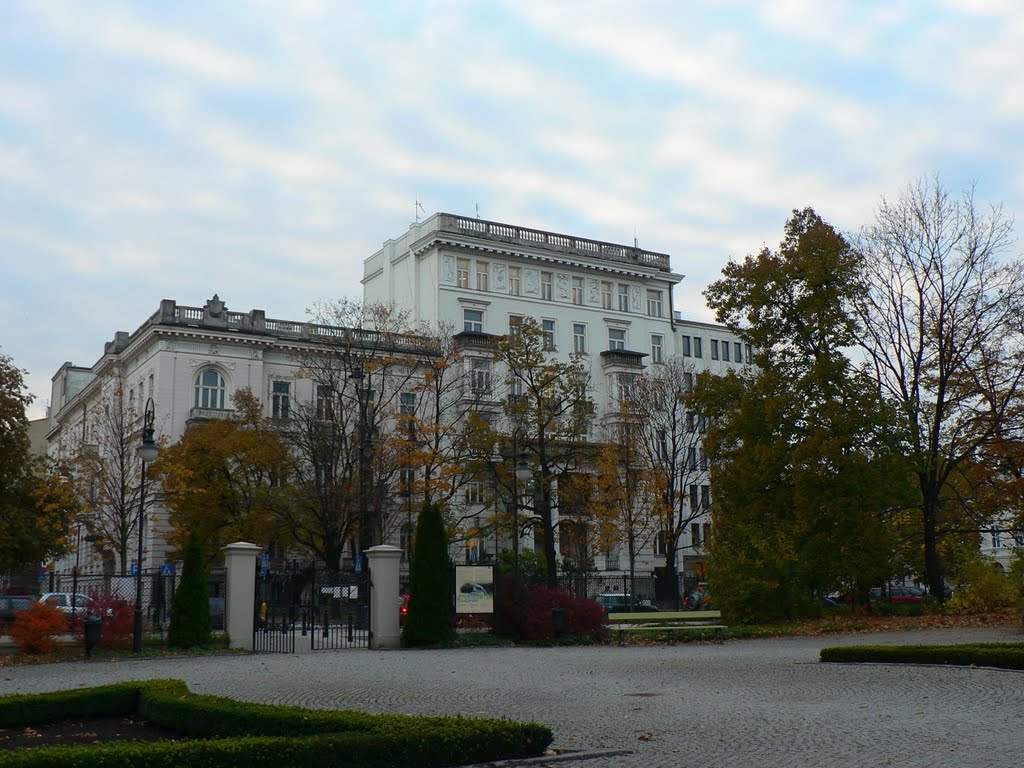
column 36, row 503
column 430, row 607
column 108, row 471
column 941, row 326
column 545, row 413
column 226, row 480
column 804, row 460
column 668, row 441
column 345, row 464
column 191, row 623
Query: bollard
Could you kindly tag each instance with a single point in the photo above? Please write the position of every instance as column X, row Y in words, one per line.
column 93, row 630
column 558, row 620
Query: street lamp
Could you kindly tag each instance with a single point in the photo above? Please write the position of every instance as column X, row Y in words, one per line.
column 523, row 475
column 363, row 394
column 148, row 452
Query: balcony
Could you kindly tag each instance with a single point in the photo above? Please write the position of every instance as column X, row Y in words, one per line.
column 622, row 358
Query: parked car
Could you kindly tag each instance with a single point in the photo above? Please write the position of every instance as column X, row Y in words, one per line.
column 698, row 599
column 403, row 609
column 617, row 602
column 10, row 607
column 898, row 594
column 68, row 602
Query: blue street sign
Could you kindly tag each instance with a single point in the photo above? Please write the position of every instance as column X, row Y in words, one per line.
column 167, row 569
column 135, row 569
column 264, row 564
column 359, row 563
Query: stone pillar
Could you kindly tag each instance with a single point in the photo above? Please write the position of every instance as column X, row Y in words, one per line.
column 240, row 598
column 384, row 628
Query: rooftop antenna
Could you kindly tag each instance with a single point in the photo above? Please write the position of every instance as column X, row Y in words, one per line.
column 419, row 207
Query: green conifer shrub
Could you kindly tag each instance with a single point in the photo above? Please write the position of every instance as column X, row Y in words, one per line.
column 430, row 604
column 191, row 624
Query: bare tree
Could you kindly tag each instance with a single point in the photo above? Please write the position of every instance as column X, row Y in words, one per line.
column 108, row 470
column 941, row 325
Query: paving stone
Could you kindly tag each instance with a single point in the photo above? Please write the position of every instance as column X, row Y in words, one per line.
column 744, row 703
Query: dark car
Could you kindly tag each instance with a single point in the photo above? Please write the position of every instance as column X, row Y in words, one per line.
column 617, row 602
column 10, row 607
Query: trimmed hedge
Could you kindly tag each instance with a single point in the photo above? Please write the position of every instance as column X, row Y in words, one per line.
column 234, row 733
column 1005, row 655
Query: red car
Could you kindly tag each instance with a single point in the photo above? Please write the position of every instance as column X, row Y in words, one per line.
column 899, row 594
column 403, row 608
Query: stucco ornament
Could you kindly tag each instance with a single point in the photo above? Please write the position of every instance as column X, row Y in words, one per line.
column 448, row 269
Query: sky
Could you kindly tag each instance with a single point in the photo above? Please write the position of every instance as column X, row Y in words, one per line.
column 262, row 150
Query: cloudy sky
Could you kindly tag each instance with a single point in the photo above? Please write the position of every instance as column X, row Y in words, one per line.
column 262, row 150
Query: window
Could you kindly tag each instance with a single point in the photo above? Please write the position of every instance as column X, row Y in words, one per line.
column 547, row 328
column 691, row 421
column 407, row 407
column 462, row 273
column 661, row 542
column 280, row 399
column 545, row 285
column 737, row 349
column 515, row 324
column 662, row 436
column 480, row 374
column 707, row 533
column 405, row 540
column 577, row 290
column 209, row 389
column 654, row 303
column 714, row 349
column 473, row 320
column 482, row 275
column 657, row 341
column 725, row 351
column 579, row 338
column 705, row 496
column 703, row 460
column 697, row 351
column 513, row 281
column 616, row 338
column 324, row 402
column 694, row 504
column 749, row 353
column 996, row 538
column 623, row 297
column 691, row 458
column 695, row 534
column 687, row 382
column 685, row 344
column 473, row 492
column 406, row 476
column 606, row 294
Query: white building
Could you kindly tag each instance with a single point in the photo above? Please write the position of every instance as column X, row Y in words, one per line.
column 611, row 303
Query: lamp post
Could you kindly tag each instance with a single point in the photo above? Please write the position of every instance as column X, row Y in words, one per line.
column 148, row 452
column 523, row 475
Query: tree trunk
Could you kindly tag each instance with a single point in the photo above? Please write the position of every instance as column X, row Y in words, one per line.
column 932, row 561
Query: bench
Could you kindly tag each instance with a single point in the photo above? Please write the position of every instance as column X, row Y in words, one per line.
column 670, row 623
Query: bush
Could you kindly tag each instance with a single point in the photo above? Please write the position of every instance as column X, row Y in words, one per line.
column 233, row 733
column 429, row 622
column 1005, row 655
column 35, row 630
column 984, row 589
column 527, row 615
column 191, row 624
column 118, row 622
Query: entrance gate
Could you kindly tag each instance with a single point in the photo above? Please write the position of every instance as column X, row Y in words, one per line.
column 302, row 606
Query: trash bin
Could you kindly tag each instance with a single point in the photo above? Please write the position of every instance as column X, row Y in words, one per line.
column 93, row 631
column 558, row 620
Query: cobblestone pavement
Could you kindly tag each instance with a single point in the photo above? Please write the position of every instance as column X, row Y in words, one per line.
column 742, row 703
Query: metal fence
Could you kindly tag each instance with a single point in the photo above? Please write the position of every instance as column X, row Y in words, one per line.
column 158, row 588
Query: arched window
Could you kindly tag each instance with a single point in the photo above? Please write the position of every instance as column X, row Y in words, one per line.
column 209, row 389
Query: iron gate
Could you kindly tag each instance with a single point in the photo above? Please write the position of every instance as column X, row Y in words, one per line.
column 302, row 606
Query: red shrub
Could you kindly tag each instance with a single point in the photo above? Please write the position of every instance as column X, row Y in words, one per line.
column 35, row 630
column 118, row 621
column 528, row 616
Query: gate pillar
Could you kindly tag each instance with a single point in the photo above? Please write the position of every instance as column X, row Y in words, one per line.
column 384, row 565
column 240, row 561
